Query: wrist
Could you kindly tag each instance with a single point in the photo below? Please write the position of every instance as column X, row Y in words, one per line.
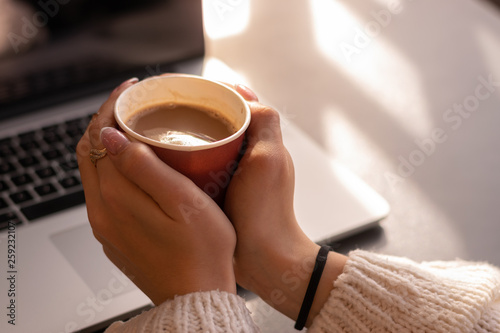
column 284, row 277
column 333, row 268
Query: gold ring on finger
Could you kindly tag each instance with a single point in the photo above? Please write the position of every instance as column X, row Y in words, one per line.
column 97, row 154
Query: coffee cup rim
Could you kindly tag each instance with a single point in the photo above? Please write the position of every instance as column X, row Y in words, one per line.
column 170, row 146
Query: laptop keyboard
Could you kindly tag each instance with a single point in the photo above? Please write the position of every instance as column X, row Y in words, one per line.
column 39, row 172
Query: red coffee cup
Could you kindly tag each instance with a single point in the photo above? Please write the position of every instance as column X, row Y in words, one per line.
column 209, row 165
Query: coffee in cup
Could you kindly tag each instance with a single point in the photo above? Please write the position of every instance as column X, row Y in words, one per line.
column 181, row 124
column 195, row 125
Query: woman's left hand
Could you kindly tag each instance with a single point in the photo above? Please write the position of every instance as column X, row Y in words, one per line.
column 154, row 224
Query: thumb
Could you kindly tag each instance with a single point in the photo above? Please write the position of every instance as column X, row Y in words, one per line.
column 265, row 125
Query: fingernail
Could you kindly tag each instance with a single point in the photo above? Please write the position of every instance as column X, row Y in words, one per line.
column 247, row 93
column 129, row 81
column 114, row 140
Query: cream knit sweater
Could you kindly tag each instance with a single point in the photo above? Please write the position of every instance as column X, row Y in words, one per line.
column 375, row 293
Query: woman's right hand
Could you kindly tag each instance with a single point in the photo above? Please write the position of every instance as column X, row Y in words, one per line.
column 273, row 257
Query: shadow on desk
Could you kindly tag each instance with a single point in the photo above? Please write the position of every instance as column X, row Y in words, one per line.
column 495, row 2
column 370, row 240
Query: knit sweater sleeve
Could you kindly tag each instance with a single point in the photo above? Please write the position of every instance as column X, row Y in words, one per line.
column 379, row 293
column 210, row 311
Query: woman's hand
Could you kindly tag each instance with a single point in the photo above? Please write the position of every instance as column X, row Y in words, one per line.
column 273, row 257
column 154, row 224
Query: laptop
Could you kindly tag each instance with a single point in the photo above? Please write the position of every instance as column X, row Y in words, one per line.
column 58, row 63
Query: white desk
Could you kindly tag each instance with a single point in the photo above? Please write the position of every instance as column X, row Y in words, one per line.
column 401, row 100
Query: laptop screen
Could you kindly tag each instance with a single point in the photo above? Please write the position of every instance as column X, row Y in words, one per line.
column 57, row 50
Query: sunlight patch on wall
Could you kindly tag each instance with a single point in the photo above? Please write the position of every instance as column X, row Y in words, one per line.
column 224, row 18
column 218, row 70
column 360, row 50
column 489, row 43
column 345, row 140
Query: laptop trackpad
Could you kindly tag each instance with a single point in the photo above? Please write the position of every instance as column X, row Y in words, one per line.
column 85, row 255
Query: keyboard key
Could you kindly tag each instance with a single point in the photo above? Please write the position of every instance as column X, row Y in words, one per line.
column 28, row 161
column 71, row 147
column 22, row 179
column 3, row 186
column 51, row 137
column 52, row 206
column 6, row 167
column 27, row 136
column 69, row 182
column 65, row 150
column 45, row 172
column 6, row 142
column 73, row 122
column 20, row 197
column 52, row 154
column 6, row 149
column 70, row 164
column 8, row 218
column 74, row 132
column 29, row 145
column 45, row 189
column 51, row 128
column 78, row 123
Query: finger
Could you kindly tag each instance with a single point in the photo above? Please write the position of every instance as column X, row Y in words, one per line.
column 115, row 205
column 126, row 205
column 264, row 126
column 90, row 181
column 246, row 93
column 90, row 138
column 138, row 163
column 105, row 117
column 87, row 172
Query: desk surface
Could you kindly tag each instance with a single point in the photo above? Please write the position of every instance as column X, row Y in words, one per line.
column 405, row 93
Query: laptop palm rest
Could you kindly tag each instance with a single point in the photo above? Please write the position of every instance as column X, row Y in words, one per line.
column 100, row 275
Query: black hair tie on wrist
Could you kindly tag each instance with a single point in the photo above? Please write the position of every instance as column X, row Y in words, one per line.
column 311, row 288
